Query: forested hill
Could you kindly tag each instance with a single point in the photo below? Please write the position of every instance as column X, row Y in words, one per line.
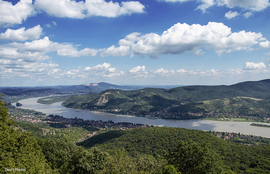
column 184, row 99
column 157, row 140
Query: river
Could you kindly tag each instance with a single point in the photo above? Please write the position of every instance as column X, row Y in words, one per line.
column 221, row 126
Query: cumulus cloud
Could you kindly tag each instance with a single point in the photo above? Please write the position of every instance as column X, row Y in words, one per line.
column 19, row 68
column 265, row 44
column 254, row 66
column 164, row 72
column 115, row 51
column 81, row 9
column 73, row 52
column 205, row 4
column 14, row 53
column 39, row 48
column 61, row 8
column 183, row 72
column 138, row 71
column 181, row 38
column 178, row 39
column 21, row 34
column 104, row 70
column 230, row 14
column 15, row 14
column 252, row 5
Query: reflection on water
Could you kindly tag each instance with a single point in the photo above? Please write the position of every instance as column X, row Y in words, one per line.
column 222, row 126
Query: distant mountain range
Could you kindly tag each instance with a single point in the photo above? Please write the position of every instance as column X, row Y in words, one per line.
column 239, row 98
column 71, row 89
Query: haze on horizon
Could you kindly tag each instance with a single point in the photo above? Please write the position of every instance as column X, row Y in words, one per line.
column 158, row 42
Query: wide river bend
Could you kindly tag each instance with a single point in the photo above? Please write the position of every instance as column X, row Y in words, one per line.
column 221, row 126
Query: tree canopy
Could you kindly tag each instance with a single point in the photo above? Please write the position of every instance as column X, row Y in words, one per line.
column 19, row 151
column 194, row 158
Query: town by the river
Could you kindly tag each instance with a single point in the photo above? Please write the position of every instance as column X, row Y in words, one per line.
column 221, row 126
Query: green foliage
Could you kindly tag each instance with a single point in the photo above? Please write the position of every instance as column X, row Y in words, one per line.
column 157, row 140
column 120, row 162
column 253, row 100
column 19, row 112
column 45, row 131
column 54, row 99
column 239, row 106
column 19, row 150
column 66, row 157
column 191, row 157
column 260, row 125
column 170, row 169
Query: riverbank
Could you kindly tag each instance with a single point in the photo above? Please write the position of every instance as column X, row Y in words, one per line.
column 260, row 125
column 236, row 120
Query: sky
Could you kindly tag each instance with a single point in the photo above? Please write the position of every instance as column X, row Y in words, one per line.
column 144, row 42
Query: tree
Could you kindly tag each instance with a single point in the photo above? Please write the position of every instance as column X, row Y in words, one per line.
column 67, row 157
column 19, row 151
column 191, row 157
column 170, row 169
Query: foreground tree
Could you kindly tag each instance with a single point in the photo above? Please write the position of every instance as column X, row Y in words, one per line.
column 19, row 151
column 67, row 157
column 191, row 157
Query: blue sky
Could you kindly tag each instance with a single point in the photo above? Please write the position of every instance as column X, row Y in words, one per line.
column 150, row 42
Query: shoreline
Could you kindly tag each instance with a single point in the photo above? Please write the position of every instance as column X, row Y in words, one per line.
column 118, row 114
column 198, row 124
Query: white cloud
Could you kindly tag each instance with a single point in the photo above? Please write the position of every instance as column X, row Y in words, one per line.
column 14, row 53
column 81, row 9
column 164, row 72
column 112, row 9
column 54, row 23
column 19, row 68
column 113, row 51
column 73, row 52
column 138, row 71
column 102, row 70
column 183, row 72
column 21, row 34
column 40, row 47
column 254, row 66
column 50, row 24
column 15, row 14
column 230, row 14
column 248, row 14
column 181, row 38
column 130, row 39
column 87, row 68
column 61, row 8
column 102, row 67
column 265, row 44
column 205, row 4
column 253, row 5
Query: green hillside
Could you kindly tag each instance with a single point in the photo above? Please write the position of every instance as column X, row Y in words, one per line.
column 247, row 98
column 158, row 141
column 47, row 131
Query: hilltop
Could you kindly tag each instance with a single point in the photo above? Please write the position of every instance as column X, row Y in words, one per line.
column 159, row 140
column 247, row 99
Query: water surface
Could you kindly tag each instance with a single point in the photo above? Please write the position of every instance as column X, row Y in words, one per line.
column 221, row 126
